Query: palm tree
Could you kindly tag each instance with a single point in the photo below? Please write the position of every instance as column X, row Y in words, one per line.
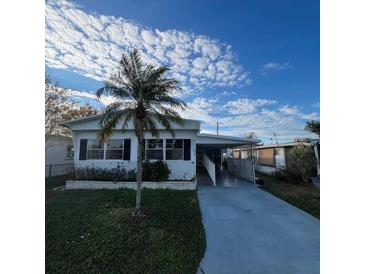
column 313, row 126
column 145, row 99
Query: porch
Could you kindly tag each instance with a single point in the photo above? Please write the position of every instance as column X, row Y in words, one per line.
column 216, row 165
column 223, row 179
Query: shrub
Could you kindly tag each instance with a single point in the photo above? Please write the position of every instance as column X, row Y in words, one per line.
column 155, row 171
column 301, row 164
column 287, row 175
column 104, row 174
column 152, row 171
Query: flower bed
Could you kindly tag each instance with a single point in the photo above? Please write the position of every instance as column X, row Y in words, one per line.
column 176, row 185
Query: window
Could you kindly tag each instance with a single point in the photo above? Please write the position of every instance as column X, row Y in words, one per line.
column 114, row 149
column 174, row 149
column 70, row 152
column 154, row 149
column 266, row 157
column 95, row 149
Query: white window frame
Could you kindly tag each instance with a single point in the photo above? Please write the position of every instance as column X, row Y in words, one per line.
column 106, row 150
column 146, row 148
column 87, row 150
column 182, row 150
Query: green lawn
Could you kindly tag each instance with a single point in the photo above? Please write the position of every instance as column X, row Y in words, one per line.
column 306, row 197
column 57, row 181
column 93, row 232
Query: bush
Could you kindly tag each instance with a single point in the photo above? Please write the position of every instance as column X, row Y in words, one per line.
column 155, row 171
column 287, row 175
column 152, row 171
column 301, row 164
column 104, row 174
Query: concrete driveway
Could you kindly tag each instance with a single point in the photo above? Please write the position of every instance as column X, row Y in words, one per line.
column 250, row 231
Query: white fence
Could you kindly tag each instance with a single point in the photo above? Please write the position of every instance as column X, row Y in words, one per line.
column 241, row 168
column 210, row 166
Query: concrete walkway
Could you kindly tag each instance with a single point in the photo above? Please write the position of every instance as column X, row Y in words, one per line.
column 250, row 231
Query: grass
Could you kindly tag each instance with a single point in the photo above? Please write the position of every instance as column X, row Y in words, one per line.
column 93, row 231
column 305, row 197
column 57, row 181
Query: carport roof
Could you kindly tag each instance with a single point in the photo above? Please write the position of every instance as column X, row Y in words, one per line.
column 223, row 140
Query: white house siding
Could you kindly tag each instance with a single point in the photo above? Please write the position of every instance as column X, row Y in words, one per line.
column 180, row 169
column 56, row 155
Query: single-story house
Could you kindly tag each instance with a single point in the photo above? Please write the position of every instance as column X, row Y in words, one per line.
column 269, row 158
column 188, row 151
column 59, row 155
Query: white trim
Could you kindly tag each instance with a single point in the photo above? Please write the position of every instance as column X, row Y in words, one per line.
column 210, row 167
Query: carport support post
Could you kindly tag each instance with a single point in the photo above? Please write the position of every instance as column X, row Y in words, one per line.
column 253, row 165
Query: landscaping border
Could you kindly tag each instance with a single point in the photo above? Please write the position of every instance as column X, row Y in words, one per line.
column 176, row 185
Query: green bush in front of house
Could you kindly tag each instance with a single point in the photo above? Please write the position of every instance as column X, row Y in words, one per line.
column 301, row 164
column 155, row 171
column 152, row 171
column 103, row 174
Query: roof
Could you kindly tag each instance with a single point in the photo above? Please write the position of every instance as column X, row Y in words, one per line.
column 91, row 123
column 80, row 120
column 282, row 145
column 223, row 140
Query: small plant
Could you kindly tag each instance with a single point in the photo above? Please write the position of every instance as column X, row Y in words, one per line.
column 155, row 171
column 104, row 174
column 152, row 171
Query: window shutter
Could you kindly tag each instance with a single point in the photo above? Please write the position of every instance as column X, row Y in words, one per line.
column 127, row 149
column 187, row 149
column 83, row 149
column 143, row 149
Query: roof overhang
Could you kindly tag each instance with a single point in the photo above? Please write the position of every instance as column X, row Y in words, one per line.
column 223, row 141
column 92, row 123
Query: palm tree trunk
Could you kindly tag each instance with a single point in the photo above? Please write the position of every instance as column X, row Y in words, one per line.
column 139, row 173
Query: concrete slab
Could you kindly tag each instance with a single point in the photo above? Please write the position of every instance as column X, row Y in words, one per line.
column 250, row 231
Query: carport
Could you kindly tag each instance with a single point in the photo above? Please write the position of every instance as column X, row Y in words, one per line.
column 209, row 158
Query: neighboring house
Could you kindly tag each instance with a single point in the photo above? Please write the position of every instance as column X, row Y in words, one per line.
column 59, row 155
column 316, row 147
column 271, row 157
column 184, row 155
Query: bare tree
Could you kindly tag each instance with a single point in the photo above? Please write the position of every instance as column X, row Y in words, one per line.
column 60, row 107
column 250, row 134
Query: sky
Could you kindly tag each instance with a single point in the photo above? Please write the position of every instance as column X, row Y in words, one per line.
column 250, row 65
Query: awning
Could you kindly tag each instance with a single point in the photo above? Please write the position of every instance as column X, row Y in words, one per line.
column 223, row 141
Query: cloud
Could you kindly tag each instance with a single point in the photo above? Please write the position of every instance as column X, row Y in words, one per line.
column 266, row 68
column 91, row 45
column 246, row 105
column 104, row 100
column 263, row 116
column 201, row 109
column 295, row 111
column 316, row 105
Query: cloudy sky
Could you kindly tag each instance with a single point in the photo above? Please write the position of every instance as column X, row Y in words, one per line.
column 249, row 65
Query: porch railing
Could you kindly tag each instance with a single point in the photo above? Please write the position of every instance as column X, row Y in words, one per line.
column 210, row 166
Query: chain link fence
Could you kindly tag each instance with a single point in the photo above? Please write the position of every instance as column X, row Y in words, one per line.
column 59, row 169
